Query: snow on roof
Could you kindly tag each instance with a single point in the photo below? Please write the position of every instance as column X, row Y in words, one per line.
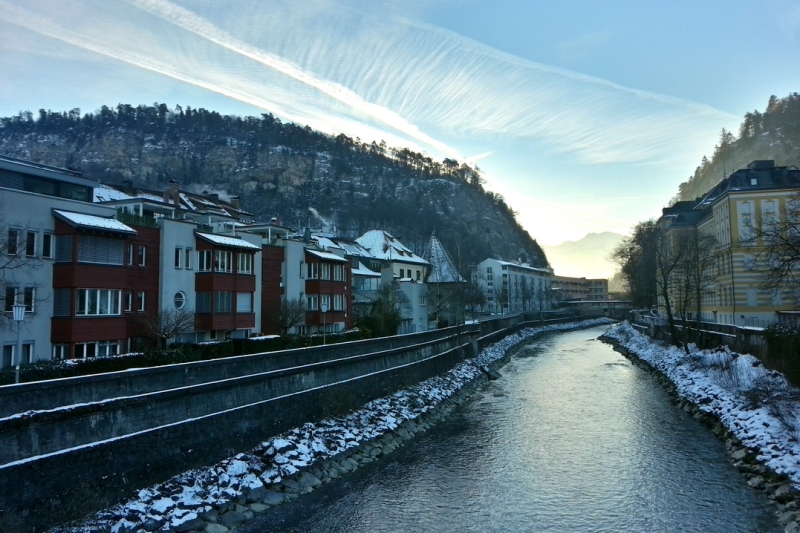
column 364, row 271
column 353, row 248
column 381, row 245
column 89, row 221
column 526, row 267
column 442, row 268
column 325, row 243
column 327, row 256
column 228, row 241
column 188, row 202
column 104, row 193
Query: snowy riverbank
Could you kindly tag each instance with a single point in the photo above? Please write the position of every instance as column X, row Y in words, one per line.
column 754, row 410
column 220, row 497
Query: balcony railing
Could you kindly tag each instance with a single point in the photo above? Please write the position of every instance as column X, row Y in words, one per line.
column 136, row 220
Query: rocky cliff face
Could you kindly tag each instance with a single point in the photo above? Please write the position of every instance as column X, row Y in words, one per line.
column 282, row 170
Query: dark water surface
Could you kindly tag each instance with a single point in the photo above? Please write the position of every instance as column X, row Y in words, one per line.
column 572, row 438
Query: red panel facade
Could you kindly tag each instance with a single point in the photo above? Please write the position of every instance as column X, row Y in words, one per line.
column 272, row 258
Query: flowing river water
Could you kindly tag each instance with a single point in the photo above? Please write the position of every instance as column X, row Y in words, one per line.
column 572, row 438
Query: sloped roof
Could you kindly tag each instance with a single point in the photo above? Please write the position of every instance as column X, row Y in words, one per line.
column 382, row 245
column 442, row 268
column 327, row 256
column 233, row 242
column 79, row 220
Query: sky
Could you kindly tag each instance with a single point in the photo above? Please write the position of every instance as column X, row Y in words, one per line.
column 584, row 115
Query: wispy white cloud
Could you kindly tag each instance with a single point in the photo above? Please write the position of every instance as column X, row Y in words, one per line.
column 582, row 46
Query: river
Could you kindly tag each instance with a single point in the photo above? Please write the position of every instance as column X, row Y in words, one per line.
column 571, row 438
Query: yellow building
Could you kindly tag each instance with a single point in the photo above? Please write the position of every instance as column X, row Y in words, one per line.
column 732, row 213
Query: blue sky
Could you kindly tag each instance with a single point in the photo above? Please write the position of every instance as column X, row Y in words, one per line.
column 585, row 115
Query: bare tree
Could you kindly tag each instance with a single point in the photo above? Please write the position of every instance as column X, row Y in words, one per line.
column 670, row 252
column 167, row 324
column 290, row 313
column 778, row 258
column 474, row 297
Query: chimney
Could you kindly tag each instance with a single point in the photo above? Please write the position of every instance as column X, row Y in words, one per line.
column 127, row 186
column 235, row 202
column 173, row 192
column 166, row 196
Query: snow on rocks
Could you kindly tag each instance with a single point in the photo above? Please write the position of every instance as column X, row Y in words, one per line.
column 223, row 496
column 753, row 409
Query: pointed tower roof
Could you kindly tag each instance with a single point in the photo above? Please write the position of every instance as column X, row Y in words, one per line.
column 442, row 268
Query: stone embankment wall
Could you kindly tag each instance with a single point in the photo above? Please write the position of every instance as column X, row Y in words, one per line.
column 776, row 486
column 220, row 497
column 53, row 486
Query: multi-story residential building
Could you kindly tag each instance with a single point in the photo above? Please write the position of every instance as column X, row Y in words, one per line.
column 514, row 287
column 567, row 289
column 732, row 213
column 598, row 289
column 64, row 259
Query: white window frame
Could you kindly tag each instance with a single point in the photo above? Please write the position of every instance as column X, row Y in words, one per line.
column 187, row 259
column 338, row 273
column 245, row 265
column 142, row 255
column 47, row 250
column 312, row 302
column 223, row 261
column 112, row 297
column 204, row 260
column 325, row 271
column 30, row 247
column 141, row 301
column 338, row 302
column 178, row 257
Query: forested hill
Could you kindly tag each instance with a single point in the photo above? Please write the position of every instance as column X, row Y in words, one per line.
column 280, row 169
column 773, row 134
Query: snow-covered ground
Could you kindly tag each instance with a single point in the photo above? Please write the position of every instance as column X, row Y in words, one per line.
column 756, row 404
column 201, row 499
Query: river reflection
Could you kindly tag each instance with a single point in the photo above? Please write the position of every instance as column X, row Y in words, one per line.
column 572, row 438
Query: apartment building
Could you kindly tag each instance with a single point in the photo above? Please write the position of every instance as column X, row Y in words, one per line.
column 514, row 287
column 732, row 213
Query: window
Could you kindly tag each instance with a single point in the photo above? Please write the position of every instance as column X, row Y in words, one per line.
column 313, row 270
column 129, row 254
column 245, row 263
column 419, row 275
column 47, row 245
column 11, row 298
column 223, row 301
column 8, row 356
column 325, row 303
column 178, row 257
column 28, row 299
column 326, row 271
column 107, row 348
column 311, row 303
column 27, row 353
column 422, row 301
column 128, row 301
column 223, row 261
column 244, row 302
column 338, row 272
column 179, row 300
column 187, row 263
column 203, row 302
column 30, row 244
column 98, row 302
column 13, row 241
column 204, row 260
column 100, row 250
column 140, row 303
column 338, row 302
column 402, row 271
column 85, row 350
column 142, row 255
column 60, row 352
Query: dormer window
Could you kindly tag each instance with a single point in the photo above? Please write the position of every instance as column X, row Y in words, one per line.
column 753, row 181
